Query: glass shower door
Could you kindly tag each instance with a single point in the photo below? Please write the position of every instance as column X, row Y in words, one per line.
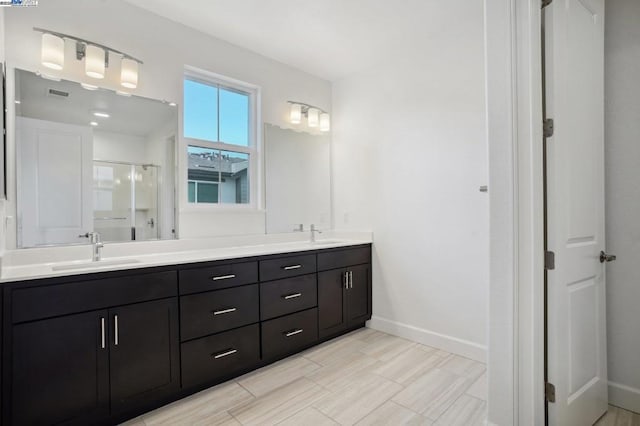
column 125, row 201
column 146, row 202
column 112, row 194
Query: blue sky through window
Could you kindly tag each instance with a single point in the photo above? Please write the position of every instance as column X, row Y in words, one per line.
column 200, row 111
column 202, row 120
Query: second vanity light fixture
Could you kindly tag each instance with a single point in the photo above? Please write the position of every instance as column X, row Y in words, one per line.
column 95, row 55
column 315, row 116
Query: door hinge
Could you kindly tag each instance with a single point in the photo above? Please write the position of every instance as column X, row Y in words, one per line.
column 549, row 260
column 546, row 3
column 550, row 392
column 547, row 127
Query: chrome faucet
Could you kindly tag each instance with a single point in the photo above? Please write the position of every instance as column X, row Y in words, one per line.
column 96, row 240
column 313, row 233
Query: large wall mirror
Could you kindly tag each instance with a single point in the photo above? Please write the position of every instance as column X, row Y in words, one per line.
column 91, row 159
column 298, row 179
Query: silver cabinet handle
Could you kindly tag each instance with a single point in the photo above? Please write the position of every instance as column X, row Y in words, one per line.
column 350, row 279
column 293, row 332
column 102, row 334
column 346, row 280
column 223, row 277
column 292, row 296
column 225, row 353
column 115, row 330
column 225, row 311
column 288, row 268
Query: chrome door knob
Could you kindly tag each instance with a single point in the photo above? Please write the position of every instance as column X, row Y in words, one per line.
column 604, row 257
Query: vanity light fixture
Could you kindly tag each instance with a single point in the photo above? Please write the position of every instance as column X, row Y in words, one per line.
column 101, row 114
column 325, row 122
column 316, row 117
column 129, row 73
column 313, row 115
column 296, row 113
column 94, row 61
column 52, row 55
column 93, row 123
column 95, row 56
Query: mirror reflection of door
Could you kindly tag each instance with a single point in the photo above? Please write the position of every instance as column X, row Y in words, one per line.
column 54, row 175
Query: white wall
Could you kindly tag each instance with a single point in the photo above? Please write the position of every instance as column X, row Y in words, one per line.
column 410, row 152
column 165, row 47
column 622, row 151
column 109, row 146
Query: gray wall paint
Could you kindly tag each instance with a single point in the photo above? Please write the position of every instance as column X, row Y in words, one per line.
column 622, row 150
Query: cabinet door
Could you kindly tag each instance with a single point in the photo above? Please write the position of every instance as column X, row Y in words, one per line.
column 59, row 370
column 359, row 295
column 144, row 353
column 332, row 313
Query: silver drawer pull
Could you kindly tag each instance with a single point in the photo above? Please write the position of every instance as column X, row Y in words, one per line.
column 226, row 353
column 288, row 268
column 223, row 277
column 294, row 332
column 225, row 311
column 102, row 333
column 292, row 296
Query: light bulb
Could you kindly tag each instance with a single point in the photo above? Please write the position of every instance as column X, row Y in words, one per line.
column 312, row 117
column 52, row 51
column 296, row 113
column 129, row 73
column 94, row 61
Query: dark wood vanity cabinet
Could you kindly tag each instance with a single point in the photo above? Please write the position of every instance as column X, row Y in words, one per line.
column 79, row 367
column 103, row 347
column 344, row 294
column 59, row 371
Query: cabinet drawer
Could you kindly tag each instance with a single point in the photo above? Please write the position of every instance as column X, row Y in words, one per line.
column 283, row 297
column 216, row 311
column 218, row 277
column 289, row 334
column 68, row 298
column 342, row 258
column 284, row 267
column 216, row 357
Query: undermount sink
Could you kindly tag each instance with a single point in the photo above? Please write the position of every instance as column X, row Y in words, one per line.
column 96, row 264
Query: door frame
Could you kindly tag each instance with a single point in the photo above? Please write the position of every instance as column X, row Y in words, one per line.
column 514, row 130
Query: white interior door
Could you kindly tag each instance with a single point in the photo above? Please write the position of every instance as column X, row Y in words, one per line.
column 577, row 363
column 55, row 178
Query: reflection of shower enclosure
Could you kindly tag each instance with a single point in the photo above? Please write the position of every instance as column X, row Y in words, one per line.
column 125, row 201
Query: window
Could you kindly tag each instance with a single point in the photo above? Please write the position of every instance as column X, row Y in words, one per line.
column 220, row 128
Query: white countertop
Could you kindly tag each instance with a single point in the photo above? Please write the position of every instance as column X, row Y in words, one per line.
column 18, row 265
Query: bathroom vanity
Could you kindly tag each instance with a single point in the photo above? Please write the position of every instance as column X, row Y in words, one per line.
column 102, row 347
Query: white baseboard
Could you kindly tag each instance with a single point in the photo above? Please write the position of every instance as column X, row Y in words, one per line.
column 624, row 396
column 451, row 344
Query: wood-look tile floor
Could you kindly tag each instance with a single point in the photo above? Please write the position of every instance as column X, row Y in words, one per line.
column 619, row 417
column 363, row 378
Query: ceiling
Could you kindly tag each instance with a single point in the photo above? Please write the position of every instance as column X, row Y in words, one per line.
column 132, row 115
column 327, row 38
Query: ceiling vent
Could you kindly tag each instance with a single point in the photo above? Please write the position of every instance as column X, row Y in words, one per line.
column 57, row 93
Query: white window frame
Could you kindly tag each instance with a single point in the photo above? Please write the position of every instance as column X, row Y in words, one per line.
column 254, row 149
